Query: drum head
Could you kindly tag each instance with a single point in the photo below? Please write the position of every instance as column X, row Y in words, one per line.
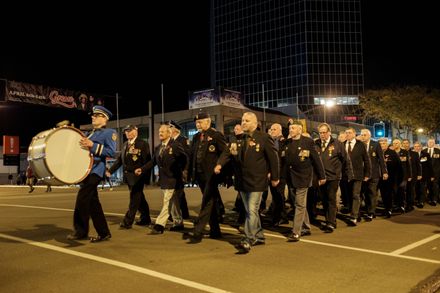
column 65, row 159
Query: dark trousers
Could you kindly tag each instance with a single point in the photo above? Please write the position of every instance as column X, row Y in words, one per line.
column 209, row 210
column 278, row 211
column 345, row 193
column 182, row 202
column 400, row 199
column 421, row 191
column 263, row 200
column 354, row 190
column 88, row 206
column 411, row 192
column 388, row 191
column 370, row 195
column 312, row 202
column 137, row 203
column 328, row 192
column 433, row 190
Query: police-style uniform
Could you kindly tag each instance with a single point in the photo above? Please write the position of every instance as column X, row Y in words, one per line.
column 87, row 201
column 135, row 155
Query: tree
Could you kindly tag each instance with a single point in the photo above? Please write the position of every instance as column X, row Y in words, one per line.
column 405, row 107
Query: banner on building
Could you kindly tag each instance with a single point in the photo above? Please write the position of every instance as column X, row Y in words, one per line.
column 205, row 98
column 11, row 145
column 49, row 96
column 214, row 97
column 231, row 98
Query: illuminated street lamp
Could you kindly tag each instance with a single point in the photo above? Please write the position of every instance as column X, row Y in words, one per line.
column 420, row 130
column 327, row 104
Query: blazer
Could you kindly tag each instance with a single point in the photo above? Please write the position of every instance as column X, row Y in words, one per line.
column 254, row 157
column 300, row 163
column 131, row 158
column 360, row 161
column 335, row 159
column 378, row 166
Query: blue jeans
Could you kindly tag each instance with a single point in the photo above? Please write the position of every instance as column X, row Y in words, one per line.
column 252, row 226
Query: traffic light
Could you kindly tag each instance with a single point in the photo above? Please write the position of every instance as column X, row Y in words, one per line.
column 379, row 129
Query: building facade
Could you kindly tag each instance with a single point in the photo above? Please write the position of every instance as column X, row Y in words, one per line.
column 290, row 54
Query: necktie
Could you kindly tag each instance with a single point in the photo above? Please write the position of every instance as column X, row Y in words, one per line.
column 349, row 148
column 162, row 147
column 430, row 152
column 202, row 136
column 323, row 145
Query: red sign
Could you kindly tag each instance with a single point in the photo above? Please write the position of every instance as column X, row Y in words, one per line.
column 350, row 118
column 11, row 145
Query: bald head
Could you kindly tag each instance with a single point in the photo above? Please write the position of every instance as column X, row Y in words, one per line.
column 249, row 122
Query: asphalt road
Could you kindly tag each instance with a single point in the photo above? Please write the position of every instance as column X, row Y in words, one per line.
column 386, row 255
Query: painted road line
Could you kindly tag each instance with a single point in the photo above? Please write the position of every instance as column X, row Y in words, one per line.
column 119, row 264
column 415, row 244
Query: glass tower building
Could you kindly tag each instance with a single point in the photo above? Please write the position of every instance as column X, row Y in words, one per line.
column 290, row 54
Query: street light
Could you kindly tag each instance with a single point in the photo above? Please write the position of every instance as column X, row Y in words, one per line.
column 327, row 104
column 420, row 130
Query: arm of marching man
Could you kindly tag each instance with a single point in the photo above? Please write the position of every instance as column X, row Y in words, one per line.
column 108, row 147
column 383, row 165
column 271, row 155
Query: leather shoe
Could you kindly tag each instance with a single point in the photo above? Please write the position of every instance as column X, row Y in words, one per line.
column 329, row 228
column 292, row 237
column 243, row 247
column 77, row 237
column 156, row 230
column 177, row 228
column 258, row 242
column 124, row 225
column 352, row 222
column 306, row 232
column 194, row 238
column 100, row 238
column 142, row 223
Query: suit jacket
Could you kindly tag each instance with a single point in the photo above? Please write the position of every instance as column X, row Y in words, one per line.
column 254, row 158
column 378, row 166
column 299, row 163
column 335, row 159
column 131, row 158
column 426, row 164
column 169, row 164
column 212, row 146
column 416, row 167
column 406, row 164
column 435, row 160
column 394, row 166
column 360, row 161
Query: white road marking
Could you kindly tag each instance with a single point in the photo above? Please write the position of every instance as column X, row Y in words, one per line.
column 415, row 244
column 116, row 263
column 395, row 253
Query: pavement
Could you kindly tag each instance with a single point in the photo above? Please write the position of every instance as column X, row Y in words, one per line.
column 400, row 254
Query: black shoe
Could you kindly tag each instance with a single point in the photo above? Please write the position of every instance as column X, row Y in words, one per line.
column 157, row 229
column 100, row 238
column 433, row 203
column 292, row 237
column 420, row 205
column 243, row 247
column 124, row 225
column 306, row 232
column 280, row 222
column 388, row 214
column 352, row 222
column 32, row 189
column 177, row 228
column 77, row 237
column 142, row 223
column 368, row 218
column 329, row 228
column 258, row 242
column 215, row 235
column 194, row 238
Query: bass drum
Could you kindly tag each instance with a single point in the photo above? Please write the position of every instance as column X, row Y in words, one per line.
column 57, row 158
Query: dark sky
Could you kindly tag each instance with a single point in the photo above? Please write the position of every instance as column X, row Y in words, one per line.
column 103, row 49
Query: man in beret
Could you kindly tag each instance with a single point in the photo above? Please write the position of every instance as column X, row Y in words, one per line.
column 207, row 145
column 101, row 142
column 134, row 156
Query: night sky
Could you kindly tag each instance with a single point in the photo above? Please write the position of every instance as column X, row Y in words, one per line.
column 102, row 49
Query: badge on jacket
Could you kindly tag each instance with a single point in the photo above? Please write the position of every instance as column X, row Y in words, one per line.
column 211, row 148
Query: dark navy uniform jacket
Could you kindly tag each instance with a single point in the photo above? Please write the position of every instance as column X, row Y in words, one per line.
column 104, row 145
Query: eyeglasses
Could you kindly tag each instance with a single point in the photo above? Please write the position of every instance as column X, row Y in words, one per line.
column 323, row 132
